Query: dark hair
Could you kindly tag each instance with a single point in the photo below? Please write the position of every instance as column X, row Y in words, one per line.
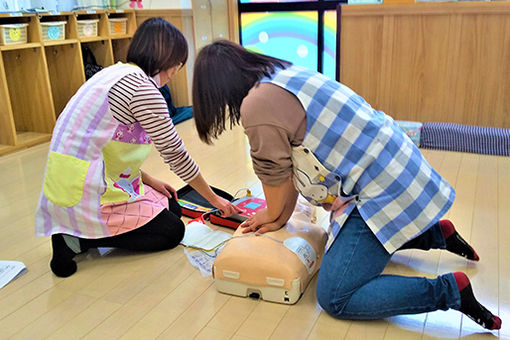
column 157, row 46
column 224, row 73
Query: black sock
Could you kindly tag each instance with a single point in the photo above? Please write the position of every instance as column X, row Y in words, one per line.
column 455, row 243
column 62, row 263
column 471, row 307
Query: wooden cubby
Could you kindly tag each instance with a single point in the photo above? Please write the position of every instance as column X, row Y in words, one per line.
column 131, row 22
column 102, row 50
column 71, row 31
column 120, row 43
column 120, row 49
column 30, row 96
column 64, row 84
column 39, row 77
column 63, row 52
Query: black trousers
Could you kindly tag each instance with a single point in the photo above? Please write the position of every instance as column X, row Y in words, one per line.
column 165, row 231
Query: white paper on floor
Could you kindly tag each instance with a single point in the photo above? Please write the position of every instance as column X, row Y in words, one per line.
column 200, row 236
column 203, row 245
column 202, row 260
column 9, row 270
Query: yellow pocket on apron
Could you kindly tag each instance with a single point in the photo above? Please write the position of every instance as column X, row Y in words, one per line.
column 64, row 180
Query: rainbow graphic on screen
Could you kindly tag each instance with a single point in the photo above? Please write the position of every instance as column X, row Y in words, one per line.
column 290, row 36
column 329, row 55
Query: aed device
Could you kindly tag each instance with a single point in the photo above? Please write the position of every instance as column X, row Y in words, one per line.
column 249, row 204
column 194, row 205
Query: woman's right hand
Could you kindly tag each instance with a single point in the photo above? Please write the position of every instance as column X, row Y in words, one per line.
column 225, row 207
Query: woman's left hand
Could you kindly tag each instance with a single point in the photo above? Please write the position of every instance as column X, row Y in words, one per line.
column 259, row 223
column 164, row 188
column 263, row 228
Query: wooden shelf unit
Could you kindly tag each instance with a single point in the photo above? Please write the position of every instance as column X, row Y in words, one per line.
column 39, row 77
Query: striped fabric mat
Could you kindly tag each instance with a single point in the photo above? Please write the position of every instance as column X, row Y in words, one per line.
column 465, row 138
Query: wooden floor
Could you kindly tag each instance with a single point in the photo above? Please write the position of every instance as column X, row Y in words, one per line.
column 160, row 295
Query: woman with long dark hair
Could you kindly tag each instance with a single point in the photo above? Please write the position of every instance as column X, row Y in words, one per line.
column 312, row 135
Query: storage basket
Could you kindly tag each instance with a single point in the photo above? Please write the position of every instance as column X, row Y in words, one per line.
column 87, row 28
column 11, row 34
column 118, row 26
column 53, row 30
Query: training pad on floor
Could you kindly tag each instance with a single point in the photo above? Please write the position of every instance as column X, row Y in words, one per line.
column 275, row 266
column 465, row 138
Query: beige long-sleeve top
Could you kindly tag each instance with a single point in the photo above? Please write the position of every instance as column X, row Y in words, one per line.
column 274, row 121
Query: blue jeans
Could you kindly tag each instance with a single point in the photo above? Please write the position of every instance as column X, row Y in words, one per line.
column 350, row 284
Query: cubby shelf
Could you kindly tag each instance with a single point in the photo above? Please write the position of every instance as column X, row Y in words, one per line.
column 38, row 77
column 19, row 47
column 60, row 42
column 123, row 36
column 89, row 39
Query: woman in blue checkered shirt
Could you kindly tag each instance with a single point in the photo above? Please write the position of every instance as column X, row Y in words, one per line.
column 312, row 135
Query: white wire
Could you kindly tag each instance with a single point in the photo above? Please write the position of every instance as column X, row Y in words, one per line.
column 247, row 191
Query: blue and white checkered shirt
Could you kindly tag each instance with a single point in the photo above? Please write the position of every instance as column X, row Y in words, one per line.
column 397, row 192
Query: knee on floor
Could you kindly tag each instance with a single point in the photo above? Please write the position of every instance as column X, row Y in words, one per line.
column 332, row 302
column 175, row 235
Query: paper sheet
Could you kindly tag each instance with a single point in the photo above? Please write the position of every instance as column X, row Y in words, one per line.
column 9, row 270
column 202, row 260
column 198, row 235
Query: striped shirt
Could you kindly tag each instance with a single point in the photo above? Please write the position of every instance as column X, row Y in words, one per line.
column 135, row 98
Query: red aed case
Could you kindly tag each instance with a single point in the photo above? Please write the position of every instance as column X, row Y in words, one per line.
column 250, row 205
column 194, row 205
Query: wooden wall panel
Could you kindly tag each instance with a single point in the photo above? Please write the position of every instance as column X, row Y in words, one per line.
column 361, row 56
column 446, row 62
column 233, row 20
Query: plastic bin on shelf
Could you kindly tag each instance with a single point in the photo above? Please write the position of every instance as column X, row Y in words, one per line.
column 87, row 28
column 53, row 30
column 11, row 34
column 118, row 26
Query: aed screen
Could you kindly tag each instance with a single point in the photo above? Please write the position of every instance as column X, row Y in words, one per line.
column 252, row 205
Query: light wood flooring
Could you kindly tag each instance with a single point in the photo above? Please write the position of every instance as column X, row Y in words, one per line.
column 160, row 295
